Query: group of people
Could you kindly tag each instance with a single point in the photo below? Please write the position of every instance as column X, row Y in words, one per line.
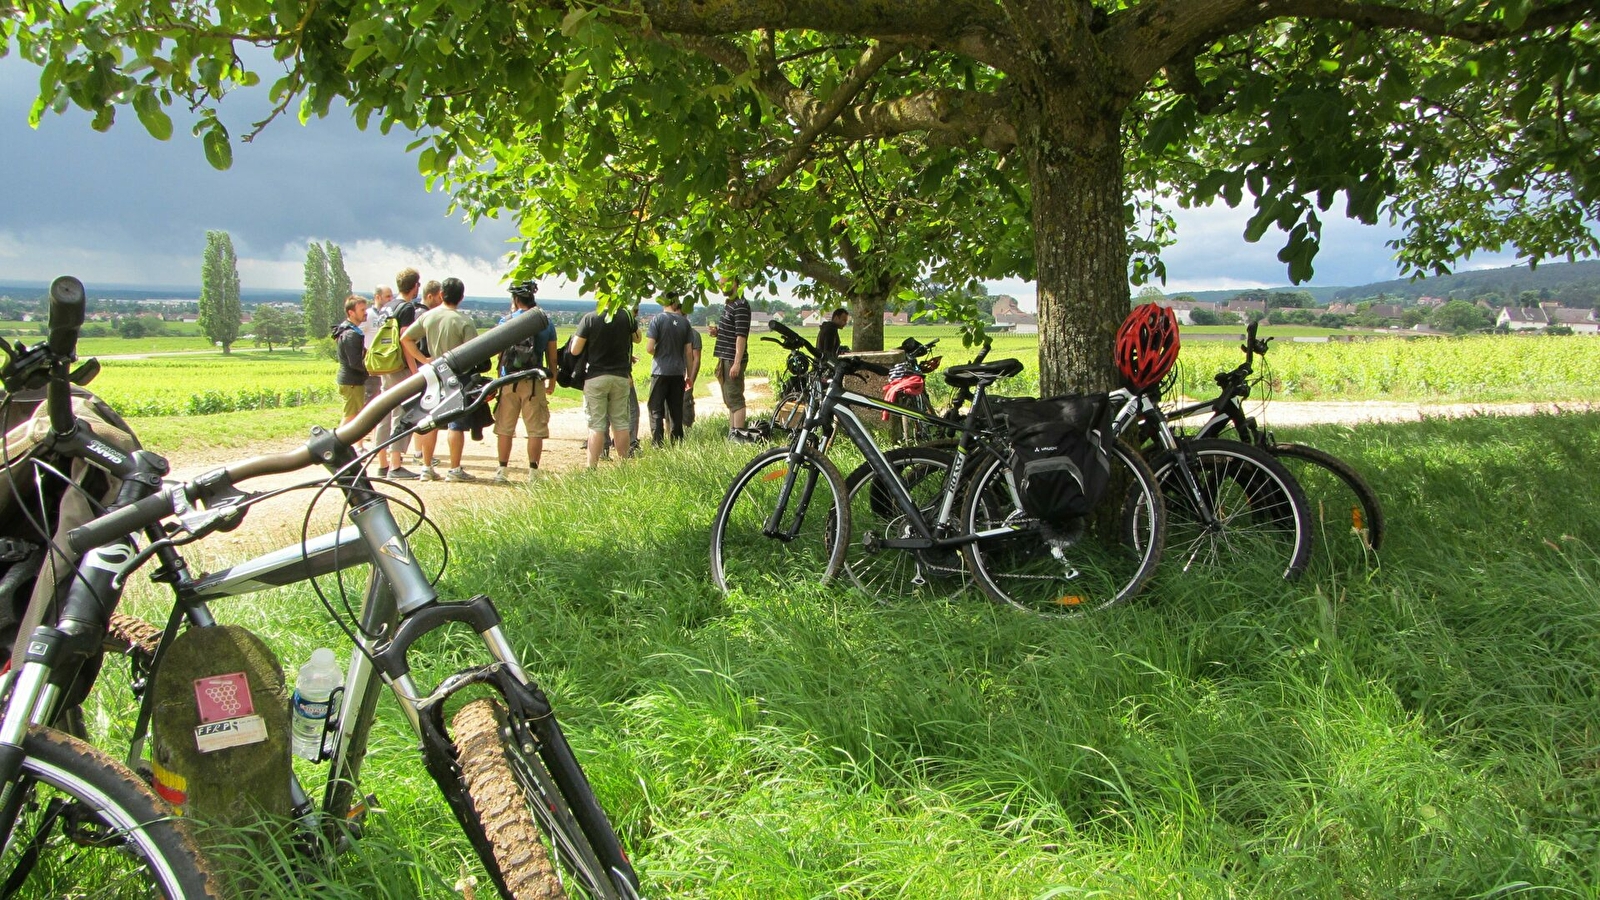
column 383, row 342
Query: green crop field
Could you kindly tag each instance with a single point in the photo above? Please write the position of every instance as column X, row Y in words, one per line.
column 166, row 392
column 1422, row 729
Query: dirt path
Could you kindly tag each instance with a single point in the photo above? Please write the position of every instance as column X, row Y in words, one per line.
column 564, row 452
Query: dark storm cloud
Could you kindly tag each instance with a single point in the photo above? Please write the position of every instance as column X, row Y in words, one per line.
column 139, row 206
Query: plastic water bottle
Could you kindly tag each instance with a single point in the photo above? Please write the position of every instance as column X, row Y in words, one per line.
column 317, row 680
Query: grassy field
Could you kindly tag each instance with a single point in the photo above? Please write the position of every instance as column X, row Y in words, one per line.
column 1425, row 729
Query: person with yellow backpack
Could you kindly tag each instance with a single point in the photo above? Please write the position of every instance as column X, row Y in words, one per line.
column 386, row 358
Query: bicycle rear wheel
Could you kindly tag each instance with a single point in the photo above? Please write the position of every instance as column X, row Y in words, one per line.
column 1100, row 561
column 1346, row 517
column 1249, row 510
column 892, row 574
column 539, row 849
column 780, row 523
column 87, row 827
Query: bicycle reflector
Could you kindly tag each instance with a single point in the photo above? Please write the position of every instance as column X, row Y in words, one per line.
column 1147, row 345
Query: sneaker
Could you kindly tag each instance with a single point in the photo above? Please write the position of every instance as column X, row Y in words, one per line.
column 428, row 474
column 401, row 473
column 458, row 474
column 383, row 472
column 500, row 476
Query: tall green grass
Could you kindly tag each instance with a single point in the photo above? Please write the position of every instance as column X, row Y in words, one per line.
column 1427, row 728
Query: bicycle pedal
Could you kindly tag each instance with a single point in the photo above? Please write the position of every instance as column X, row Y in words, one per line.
column 356, row 818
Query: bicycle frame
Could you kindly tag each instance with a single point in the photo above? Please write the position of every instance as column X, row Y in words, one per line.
column 835, row 410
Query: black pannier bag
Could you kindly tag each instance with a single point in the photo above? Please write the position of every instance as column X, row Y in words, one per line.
column 1060, row 454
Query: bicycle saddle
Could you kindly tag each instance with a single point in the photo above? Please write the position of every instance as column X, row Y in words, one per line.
column 979, row 374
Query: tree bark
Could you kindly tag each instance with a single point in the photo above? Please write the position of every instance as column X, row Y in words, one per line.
column 866, row 320
column 1080, row 240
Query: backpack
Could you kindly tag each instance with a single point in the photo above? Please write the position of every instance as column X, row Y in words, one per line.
column 572, row 369
column 1060, row 454
column 385, row 357
column 527, row 354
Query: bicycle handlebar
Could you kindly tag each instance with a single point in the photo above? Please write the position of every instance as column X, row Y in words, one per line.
column 67, row 305
column 151, row 510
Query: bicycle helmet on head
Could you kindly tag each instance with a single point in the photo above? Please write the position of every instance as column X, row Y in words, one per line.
column 523, row 288
column 1147, row 345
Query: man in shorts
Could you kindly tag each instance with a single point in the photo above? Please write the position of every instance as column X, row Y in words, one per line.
column 352, row 377
column 527, row 399
column 444, row 328
column 732, row 352
column 607, row 340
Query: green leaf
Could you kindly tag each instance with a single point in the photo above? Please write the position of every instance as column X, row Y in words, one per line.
column 219, row 153
column 151, row 115
column 574, row 78
column 571, row 21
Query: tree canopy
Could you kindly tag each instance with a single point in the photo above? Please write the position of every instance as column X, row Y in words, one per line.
column 1468, row 122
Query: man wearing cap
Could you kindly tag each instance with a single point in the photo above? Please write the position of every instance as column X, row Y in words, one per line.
column 732, row 353
column 667, row 342
column 527, row 399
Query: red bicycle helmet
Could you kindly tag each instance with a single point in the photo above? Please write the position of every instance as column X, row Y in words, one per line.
column 1147, row 345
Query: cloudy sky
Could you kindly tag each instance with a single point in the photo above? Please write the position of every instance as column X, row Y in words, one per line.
column 122, row 208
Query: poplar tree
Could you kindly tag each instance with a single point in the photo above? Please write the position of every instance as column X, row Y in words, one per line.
column 220, row 312
column 339, row 286
column 315, row 300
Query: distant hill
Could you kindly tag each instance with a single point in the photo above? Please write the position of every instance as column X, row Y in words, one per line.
column 1557, row 278
column 32, row 291
column 1322, row 295
column 1573, row 284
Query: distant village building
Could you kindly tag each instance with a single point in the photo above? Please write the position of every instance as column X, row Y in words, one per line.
column 1246, row 307
column 1386, row 310
column 1184, row 309
column 1007, row 312
column 1520, row 318
column 1581, row 321
column 1342, row 309
column 1432, row 302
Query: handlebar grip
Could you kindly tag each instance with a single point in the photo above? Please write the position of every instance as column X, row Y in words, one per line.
column 475, row 353
column 122, row 522
column 67, row 305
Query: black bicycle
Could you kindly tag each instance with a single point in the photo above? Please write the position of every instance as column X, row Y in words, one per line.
column 790, row 516
column 1347, row 517
column 75, row 822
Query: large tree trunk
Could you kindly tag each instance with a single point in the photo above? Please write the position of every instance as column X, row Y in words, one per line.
column 866, row 320
column 1080, row 240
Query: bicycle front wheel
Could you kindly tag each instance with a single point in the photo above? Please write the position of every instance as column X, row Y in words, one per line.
column 1234, row 506
column 1101, row 560
column 1346, row 517
column 85, row 826
column 889, row 573
column 780, row 523
column 539, row 849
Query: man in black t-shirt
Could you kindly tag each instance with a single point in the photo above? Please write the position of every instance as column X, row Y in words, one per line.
column 607, row 340
column 828, row 343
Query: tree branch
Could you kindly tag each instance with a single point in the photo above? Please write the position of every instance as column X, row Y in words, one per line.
column 1148, row 37
column 871, row 61
column 820, row 270
column 957, row 115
